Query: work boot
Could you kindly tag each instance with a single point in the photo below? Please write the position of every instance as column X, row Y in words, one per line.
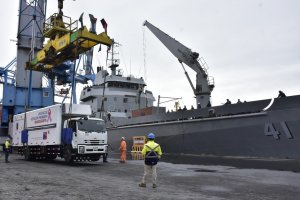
column 142, row 184
column 154, row 186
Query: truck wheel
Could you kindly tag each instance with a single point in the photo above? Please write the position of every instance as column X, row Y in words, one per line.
column 95, row 158
column 68, row 154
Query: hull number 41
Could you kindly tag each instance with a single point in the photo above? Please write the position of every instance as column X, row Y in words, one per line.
column 270, row 130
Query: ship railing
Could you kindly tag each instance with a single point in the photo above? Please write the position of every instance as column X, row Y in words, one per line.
column 196, row 114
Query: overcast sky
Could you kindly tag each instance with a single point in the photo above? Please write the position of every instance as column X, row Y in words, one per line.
column 251, row 46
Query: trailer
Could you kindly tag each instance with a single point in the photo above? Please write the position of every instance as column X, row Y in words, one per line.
column 62, row 130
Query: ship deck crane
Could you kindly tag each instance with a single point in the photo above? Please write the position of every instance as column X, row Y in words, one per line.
column 204, row 83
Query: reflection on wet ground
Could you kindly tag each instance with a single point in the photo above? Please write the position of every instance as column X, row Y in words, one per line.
column 236, row 162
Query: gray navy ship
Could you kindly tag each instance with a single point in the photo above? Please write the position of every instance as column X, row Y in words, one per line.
column 268, row 128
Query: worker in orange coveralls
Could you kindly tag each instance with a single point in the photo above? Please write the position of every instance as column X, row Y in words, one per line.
column 122, row 150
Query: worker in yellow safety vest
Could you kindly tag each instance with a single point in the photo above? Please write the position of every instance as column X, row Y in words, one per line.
column 152, row 153
column 7, row 149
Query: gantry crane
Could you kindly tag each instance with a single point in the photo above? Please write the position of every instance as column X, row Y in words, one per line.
column 23, row 89
column 56, row 59
column 7, row 73
column 66, row 42
column 204, row 83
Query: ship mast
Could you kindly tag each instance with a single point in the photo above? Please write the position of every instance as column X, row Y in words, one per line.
column 113, row 61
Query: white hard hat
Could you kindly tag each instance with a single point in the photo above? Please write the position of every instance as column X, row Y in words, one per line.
column 123, row 138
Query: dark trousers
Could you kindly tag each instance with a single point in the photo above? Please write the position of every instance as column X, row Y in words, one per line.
column 105, row 157
column 6, row 155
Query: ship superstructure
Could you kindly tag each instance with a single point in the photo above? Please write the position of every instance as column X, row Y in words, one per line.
column 114, row 95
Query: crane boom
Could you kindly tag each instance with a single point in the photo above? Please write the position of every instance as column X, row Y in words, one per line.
column 185, row 55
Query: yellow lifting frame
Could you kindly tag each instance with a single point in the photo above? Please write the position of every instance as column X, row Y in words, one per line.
column 67, row 47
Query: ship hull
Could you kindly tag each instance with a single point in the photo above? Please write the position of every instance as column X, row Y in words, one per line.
column 267, row 134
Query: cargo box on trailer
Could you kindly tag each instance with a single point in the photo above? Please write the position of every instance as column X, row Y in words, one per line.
column 63, row 130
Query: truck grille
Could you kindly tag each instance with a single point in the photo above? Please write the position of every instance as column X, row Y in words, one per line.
column 94, row 141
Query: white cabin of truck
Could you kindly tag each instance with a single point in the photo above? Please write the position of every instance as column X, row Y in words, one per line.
column 92, row 130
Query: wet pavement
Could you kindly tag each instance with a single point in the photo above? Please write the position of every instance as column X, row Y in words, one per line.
column 237, row 162
column 22, row 179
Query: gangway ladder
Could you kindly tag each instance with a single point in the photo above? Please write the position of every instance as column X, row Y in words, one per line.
column 137, row 147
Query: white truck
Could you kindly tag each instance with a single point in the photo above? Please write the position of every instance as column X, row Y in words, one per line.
column 63, row 130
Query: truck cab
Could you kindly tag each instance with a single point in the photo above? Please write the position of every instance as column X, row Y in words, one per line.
column 89, row 136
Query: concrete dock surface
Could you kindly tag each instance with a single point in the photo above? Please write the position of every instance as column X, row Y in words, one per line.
column 22, row 179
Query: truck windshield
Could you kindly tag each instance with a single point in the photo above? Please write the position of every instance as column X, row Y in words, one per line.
column 91, row 125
